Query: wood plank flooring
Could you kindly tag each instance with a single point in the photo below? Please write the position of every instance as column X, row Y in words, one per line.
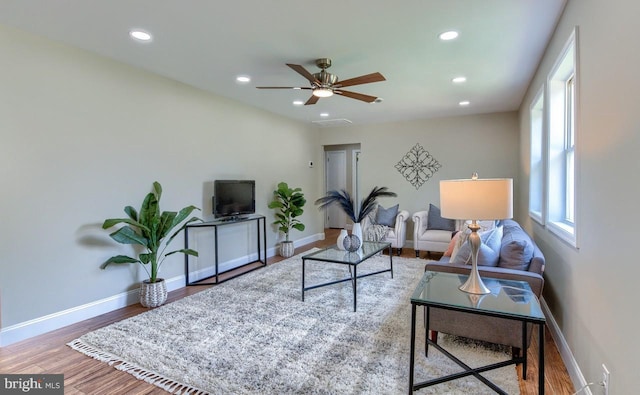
column 48, row 353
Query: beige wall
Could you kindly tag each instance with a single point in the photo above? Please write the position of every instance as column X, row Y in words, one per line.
column 591, row 290
column 487, row 144
column 83, row 136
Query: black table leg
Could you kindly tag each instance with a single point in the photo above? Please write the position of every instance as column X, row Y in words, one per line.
column 413, row 347
column 355, row 286
column 541, row 359
column 524, row 350
column 391, row 260
column 426, row 330
column 303, row 262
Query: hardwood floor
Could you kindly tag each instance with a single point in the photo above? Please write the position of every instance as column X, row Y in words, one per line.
column 48, row 353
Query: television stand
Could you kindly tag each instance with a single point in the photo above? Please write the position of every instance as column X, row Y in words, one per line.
column 262, row 252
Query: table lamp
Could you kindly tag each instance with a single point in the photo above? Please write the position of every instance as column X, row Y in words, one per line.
column 476, row 199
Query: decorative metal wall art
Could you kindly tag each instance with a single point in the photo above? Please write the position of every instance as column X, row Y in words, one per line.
column 417, row 166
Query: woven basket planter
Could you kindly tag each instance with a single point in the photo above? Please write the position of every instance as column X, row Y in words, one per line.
column 286, row 249
column 153, row 294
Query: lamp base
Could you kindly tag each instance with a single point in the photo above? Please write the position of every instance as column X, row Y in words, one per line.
column 474, row 284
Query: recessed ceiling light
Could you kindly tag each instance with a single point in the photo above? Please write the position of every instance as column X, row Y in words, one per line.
column 450, row 35
column 140, row 35
column 459, row 80
column 324, row 114
column 243, row 79
column 464, row 103
column 298, row 102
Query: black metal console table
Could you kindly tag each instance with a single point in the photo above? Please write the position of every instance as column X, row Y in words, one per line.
column 262, row 252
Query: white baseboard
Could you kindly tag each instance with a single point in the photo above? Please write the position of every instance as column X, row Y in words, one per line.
column 47, row 323
column 575, row 374
column 38, row 326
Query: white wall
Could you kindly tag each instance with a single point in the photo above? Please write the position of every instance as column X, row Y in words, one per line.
column 591, row 290
column 83, row 136
column 486, row 143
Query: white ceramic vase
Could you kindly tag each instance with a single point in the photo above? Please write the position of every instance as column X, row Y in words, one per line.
column 340, row 241
column 357, row 230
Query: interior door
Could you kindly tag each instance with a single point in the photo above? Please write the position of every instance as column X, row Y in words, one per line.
column 336, row 171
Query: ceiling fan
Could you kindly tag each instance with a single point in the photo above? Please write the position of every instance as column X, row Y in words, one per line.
column 325, row 84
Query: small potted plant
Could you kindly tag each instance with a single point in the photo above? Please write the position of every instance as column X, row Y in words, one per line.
column 150, row 229
column 289, row 202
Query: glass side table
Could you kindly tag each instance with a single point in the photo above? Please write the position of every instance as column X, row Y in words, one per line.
column 508, row 299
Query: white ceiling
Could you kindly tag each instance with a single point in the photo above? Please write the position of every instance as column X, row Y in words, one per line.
column 208, row 43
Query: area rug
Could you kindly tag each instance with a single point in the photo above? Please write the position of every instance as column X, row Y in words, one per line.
column 254, row 335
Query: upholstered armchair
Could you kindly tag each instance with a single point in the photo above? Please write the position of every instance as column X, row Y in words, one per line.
column 388, row 225
column 431, row 232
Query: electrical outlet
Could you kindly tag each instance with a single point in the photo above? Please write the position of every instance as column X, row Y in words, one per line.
column 606, row 377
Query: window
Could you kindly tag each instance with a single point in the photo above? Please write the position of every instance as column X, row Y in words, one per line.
column 536, row 176
column 561, row 149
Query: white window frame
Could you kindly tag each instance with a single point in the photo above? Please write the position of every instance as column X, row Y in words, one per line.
column 537, row 162
column 561, row 180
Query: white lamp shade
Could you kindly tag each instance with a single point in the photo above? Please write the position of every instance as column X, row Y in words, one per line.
column 479, row 199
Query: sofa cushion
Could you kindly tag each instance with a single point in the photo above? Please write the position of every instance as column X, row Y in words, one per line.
column 387, row 216
column 516, row 249
column 435, row 220
column 489, row 252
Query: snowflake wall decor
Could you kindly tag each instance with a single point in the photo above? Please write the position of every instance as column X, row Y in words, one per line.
column 417, row 166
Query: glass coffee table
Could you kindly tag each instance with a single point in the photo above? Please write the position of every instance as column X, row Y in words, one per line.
column 352, row 259
column 508, row 299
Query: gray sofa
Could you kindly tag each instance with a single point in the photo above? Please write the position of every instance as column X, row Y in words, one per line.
column 520, row 259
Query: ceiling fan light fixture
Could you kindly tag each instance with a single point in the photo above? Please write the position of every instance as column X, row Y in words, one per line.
column 322, row 92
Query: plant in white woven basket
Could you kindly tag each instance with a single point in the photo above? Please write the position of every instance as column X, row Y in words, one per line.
column 151, row 229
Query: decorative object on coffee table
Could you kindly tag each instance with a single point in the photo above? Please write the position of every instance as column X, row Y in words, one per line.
column 352, row 243
column 476, row 199
column 150, row 229
column 344, row 200
column 289, row 202
column 340, row 240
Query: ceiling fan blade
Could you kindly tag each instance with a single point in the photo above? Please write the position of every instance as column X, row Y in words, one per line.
column 303, row 72
column 363, row 79
column 354, row 95
column 312, row 100
column 282, row 87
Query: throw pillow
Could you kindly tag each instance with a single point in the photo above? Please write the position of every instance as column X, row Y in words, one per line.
column 463, row 236
column 387, row 216
column 489, row 252
column 452, row 244
column 435, row 220
column 516, row 250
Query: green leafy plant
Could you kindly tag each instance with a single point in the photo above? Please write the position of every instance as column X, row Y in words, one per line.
column 344, row 200
column 149, row 229
column 289, row 201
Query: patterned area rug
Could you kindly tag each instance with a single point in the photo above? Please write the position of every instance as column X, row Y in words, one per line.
column 254, row 335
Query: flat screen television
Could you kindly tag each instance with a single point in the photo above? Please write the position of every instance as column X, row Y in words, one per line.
column 233, row 198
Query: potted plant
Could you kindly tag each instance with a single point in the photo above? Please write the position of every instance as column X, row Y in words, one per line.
column 289, row 202
column 344, row 200
column 152, row 230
